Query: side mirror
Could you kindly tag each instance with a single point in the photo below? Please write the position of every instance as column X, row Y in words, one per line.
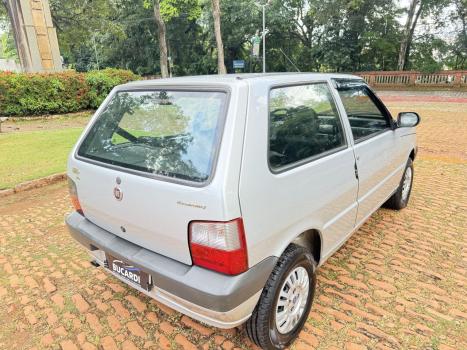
column 408, row 119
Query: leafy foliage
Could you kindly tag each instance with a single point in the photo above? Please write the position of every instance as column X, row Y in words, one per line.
column 171, row 9
column 33, row 94
column 7, row 46
column 317, row 35
column 101, row 82
column 7, row 43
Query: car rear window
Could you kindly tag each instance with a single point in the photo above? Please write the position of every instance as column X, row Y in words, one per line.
column 166, row 133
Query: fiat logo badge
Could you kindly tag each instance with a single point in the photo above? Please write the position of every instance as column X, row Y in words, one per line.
column 118, row 194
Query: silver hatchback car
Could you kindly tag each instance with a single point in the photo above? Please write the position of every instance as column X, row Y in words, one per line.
column 220, row 196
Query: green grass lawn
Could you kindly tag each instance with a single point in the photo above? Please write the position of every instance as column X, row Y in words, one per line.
column 31, row 155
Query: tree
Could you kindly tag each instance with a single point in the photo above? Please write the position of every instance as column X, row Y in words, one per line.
column 426, row 54
column 458, row 48
column 7, row 47
column 164, row 12
column 84, row 29
column 216, row 14
column 419, row 9
column 162, row 40
column 7, row 42
column 317, row 35
column 410, row 23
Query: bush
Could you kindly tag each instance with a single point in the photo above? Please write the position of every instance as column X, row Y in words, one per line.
column 64, row 92
column 101, row 82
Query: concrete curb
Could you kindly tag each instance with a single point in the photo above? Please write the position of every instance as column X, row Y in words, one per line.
column 29, row 185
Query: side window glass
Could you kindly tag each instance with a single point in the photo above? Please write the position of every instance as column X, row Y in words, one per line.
column 364, row 115
column 303, row 123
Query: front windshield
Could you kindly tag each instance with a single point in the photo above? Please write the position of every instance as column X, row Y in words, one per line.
column 168, row 133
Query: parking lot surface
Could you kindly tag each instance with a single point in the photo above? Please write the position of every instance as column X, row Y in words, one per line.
column 398, row 283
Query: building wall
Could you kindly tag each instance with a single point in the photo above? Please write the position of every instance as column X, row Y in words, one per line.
column 46, row 35
column 9, row 65
column 35, row 35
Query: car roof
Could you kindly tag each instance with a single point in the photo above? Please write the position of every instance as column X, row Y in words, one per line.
column 232, row 79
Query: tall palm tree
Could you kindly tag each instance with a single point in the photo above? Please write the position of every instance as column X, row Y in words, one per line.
column 216, row 13
column 162, row 40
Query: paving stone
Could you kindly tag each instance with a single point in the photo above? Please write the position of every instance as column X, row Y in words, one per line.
column 398, row 283
column 136, row 329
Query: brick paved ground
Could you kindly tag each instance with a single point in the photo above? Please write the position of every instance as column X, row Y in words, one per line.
column 399, row 283
column 423, row 96
column 424, row 93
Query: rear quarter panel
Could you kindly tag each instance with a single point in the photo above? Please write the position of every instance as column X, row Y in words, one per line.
column 276, row 208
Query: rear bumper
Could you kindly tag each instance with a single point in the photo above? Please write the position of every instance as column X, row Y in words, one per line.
column 216, row 299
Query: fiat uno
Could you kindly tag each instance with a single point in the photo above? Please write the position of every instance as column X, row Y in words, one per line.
column 220, row 196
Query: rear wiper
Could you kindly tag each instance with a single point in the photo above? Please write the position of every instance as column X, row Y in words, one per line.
column 148, row 140
column 126, row 135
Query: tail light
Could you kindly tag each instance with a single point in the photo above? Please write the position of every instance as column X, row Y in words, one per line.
column 74, row 196
column 219, row 246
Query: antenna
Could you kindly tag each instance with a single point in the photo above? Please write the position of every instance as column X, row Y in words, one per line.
column 288, row 59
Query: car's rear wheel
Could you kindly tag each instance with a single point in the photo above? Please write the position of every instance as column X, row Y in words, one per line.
column 400, row 198
column 285, row 301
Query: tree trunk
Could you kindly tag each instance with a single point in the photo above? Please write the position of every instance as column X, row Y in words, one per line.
column 412, row 30
column 408, row 34
column 462, row 39
column 162, row 41
column 18, row 34
column 216, row 13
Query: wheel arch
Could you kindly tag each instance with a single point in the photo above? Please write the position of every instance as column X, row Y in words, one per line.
column 413, row 154
column 310, row 239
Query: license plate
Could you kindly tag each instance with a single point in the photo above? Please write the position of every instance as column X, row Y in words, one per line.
column 129, row 272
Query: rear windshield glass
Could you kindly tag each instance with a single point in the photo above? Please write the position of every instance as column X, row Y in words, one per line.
column 168, row 133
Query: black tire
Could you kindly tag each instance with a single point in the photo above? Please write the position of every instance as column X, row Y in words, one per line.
column 397, row 200
column 261, row 327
